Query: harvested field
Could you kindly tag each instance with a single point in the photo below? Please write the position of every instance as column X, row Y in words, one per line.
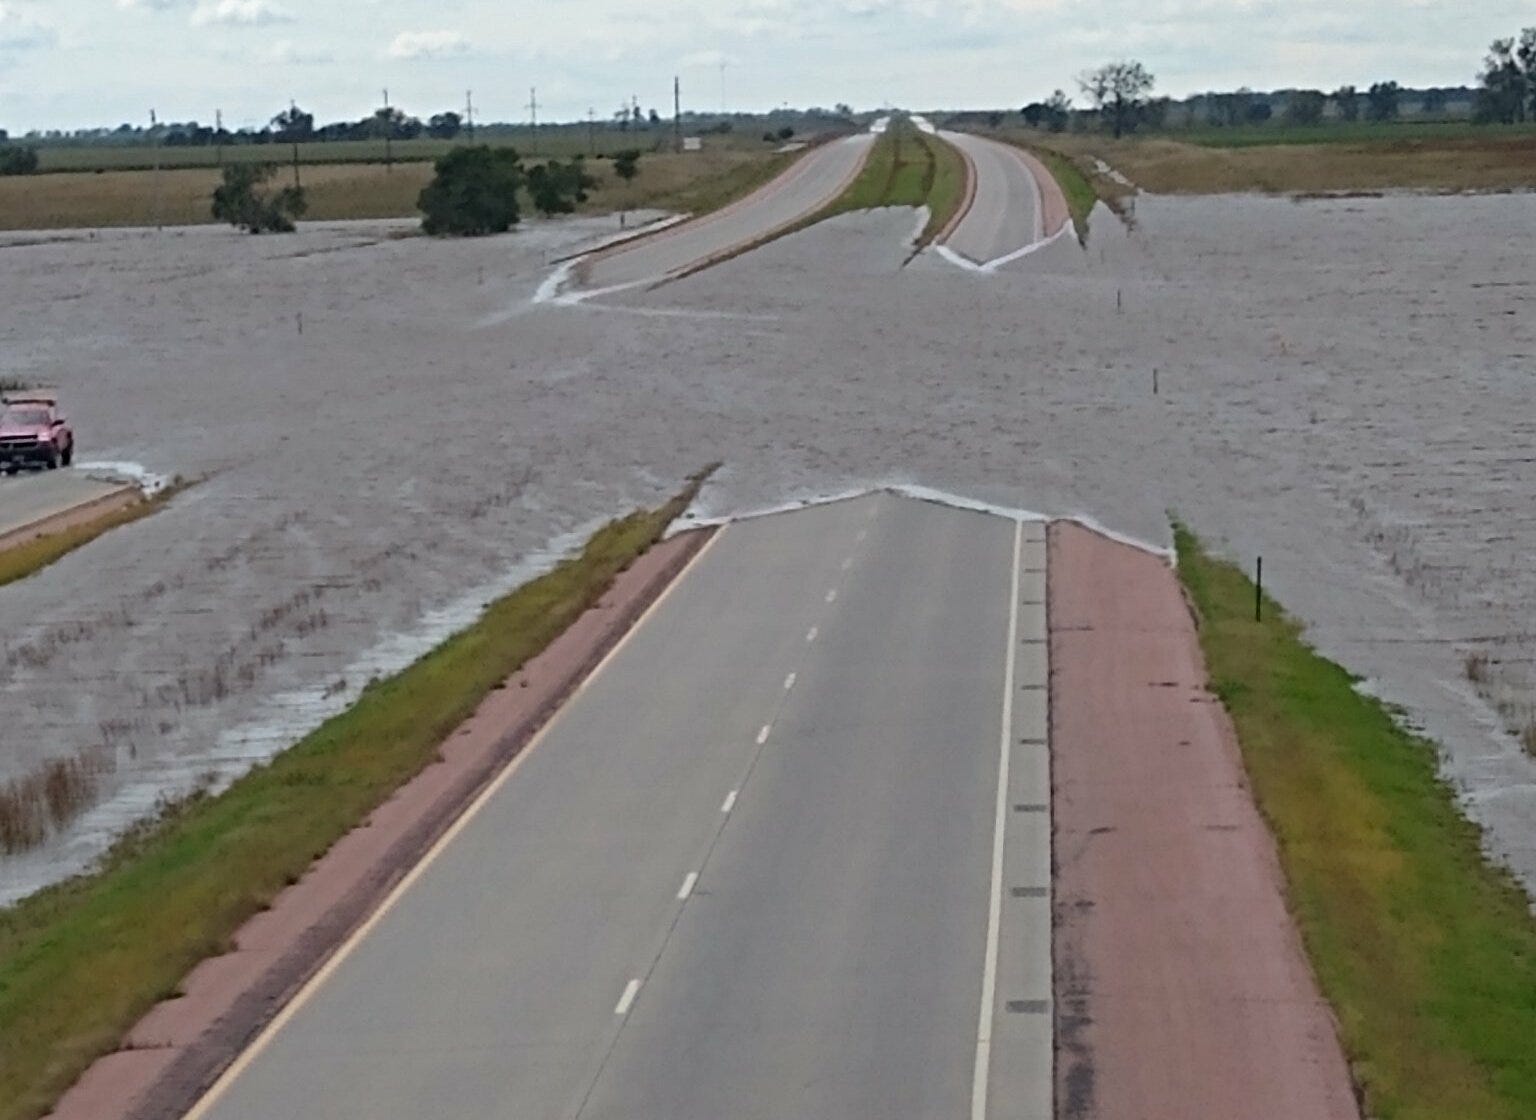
column 1475, row 160
column 693, row 181
column 1343, row 387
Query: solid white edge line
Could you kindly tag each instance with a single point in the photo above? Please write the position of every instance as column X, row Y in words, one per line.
column 689, row 882
column 729, row 803
column 234, row 1070
column 631, row 990
column 982, row 1068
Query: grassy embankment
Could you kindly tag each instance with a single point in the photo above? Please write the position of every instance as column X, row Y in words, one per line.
column 32, row 556
column 1426, row 952
column 1302, row 161
column 81, row 962
column 688, row 181
column 1080, row 181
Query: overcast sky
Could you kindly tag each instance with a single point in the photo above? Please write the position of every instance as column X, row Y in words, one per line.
column 73, row 63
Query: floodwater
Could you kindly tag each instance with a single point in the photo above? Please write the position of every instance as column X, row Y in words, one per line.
column 1341, row 386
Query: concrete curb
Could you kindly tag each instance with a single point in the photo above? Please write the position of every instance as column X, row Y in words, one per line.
column 176, row 1052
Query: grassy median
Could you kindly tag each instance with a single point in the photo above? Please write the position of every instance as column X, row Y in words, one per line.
column 1426, row 951
column 906, row 167
column 81, row 962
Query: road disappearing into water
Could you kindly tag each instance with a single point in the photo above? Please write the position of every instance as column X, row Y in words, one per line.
column 786, row 855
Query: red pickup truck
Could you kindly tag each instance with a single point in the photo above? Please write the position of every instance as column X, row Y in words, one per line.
column 33, row 432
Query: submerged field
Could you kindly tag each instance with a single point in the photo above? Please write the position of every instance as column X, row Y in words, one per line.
column 1341, row 386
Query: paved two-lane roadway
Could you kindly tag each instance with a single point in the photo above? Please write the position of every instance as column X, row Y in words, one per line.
column 809, row 184
column 760, row 868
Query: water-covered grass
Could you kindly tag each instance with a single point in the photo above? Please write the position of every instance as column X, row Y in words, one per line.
column 81, row 962
column 1425, row 950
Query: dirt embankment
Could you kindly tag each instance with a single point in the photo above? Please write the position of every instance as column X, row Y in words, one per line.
column 1181, row 985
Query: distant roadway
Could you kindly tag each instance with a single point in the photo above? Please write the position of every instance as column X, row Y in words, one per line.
column 785, row 856
column 810, row 183
column 1008, row 213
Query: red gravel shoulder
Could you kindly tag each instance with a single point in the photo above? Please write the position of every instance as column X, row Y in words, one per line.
column 176, row 1051
column 1181, row 985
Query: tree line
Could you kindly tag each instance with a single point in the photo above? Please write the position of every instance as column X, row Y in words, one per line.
column 1119, row 96
column 475, row 190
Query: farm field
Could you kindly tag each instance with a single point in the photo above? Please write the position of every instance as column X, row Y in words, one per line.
column 358, row 190
column 1342, row 389
column 1321, row 160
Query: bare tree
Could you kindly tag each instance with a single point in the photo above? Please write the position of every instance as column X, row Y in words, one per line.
column 1118, row 91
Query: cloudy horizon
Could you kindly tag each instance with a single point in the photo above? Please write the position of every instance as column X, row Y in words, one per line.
column 248, row 58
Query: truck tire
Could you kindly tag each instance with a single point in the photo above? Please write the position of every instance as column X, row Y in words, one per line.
column 69, row 455
column 52, row 462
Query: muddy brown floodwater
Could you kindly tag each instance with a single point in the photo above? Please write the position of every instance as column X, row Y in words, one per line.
column 1342, row 387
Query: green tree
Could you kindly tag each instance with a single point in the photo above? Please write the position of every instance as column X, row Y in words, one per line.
column 474, row 192
column 1305, row 107
column 1347, row 98
column 1507, row 91
column 1118, row 91
column 242, row 200
column 444, row 126
column 556, row 188
column 626, row 164
column 1381, row 101
column 17, row 161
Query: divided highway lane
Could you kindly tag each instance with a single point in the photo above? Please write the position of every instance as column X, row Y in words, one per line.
column 1006, row 214
column 808, row 185
column 753, row 870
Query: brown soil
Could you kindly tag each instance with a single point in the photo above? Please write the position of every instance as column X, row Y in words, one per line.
column 1181, row 986
column 176, row 1051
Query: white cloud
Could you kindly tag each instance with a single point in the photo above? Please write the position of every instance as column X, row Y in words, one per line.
column 247, row 13
column 152, row 5
column 20, row 32
column 285, row 52
column 427, row 44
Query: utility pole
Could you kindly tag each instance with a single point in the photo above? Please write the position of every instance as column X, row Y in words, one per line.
column 389, row 134
column 154, row 142
column 469, row 114
column 293, row 133
column 592, row 132
column 218, row 134
column 533, row 115
column 722, row 87
column 677, row 113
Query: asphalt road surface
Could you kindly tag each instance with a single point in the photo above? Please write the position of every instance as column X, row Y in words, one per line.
column 32, row 496
column 1006, row 214
column 808, row 185
column 785, row 856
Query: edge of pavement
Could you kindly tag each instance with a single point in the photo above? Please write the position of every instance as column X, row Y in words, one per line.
column 71, row 516
column 966, row 201
column 176, row 1052
column 793, row 171
column 784, row 229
